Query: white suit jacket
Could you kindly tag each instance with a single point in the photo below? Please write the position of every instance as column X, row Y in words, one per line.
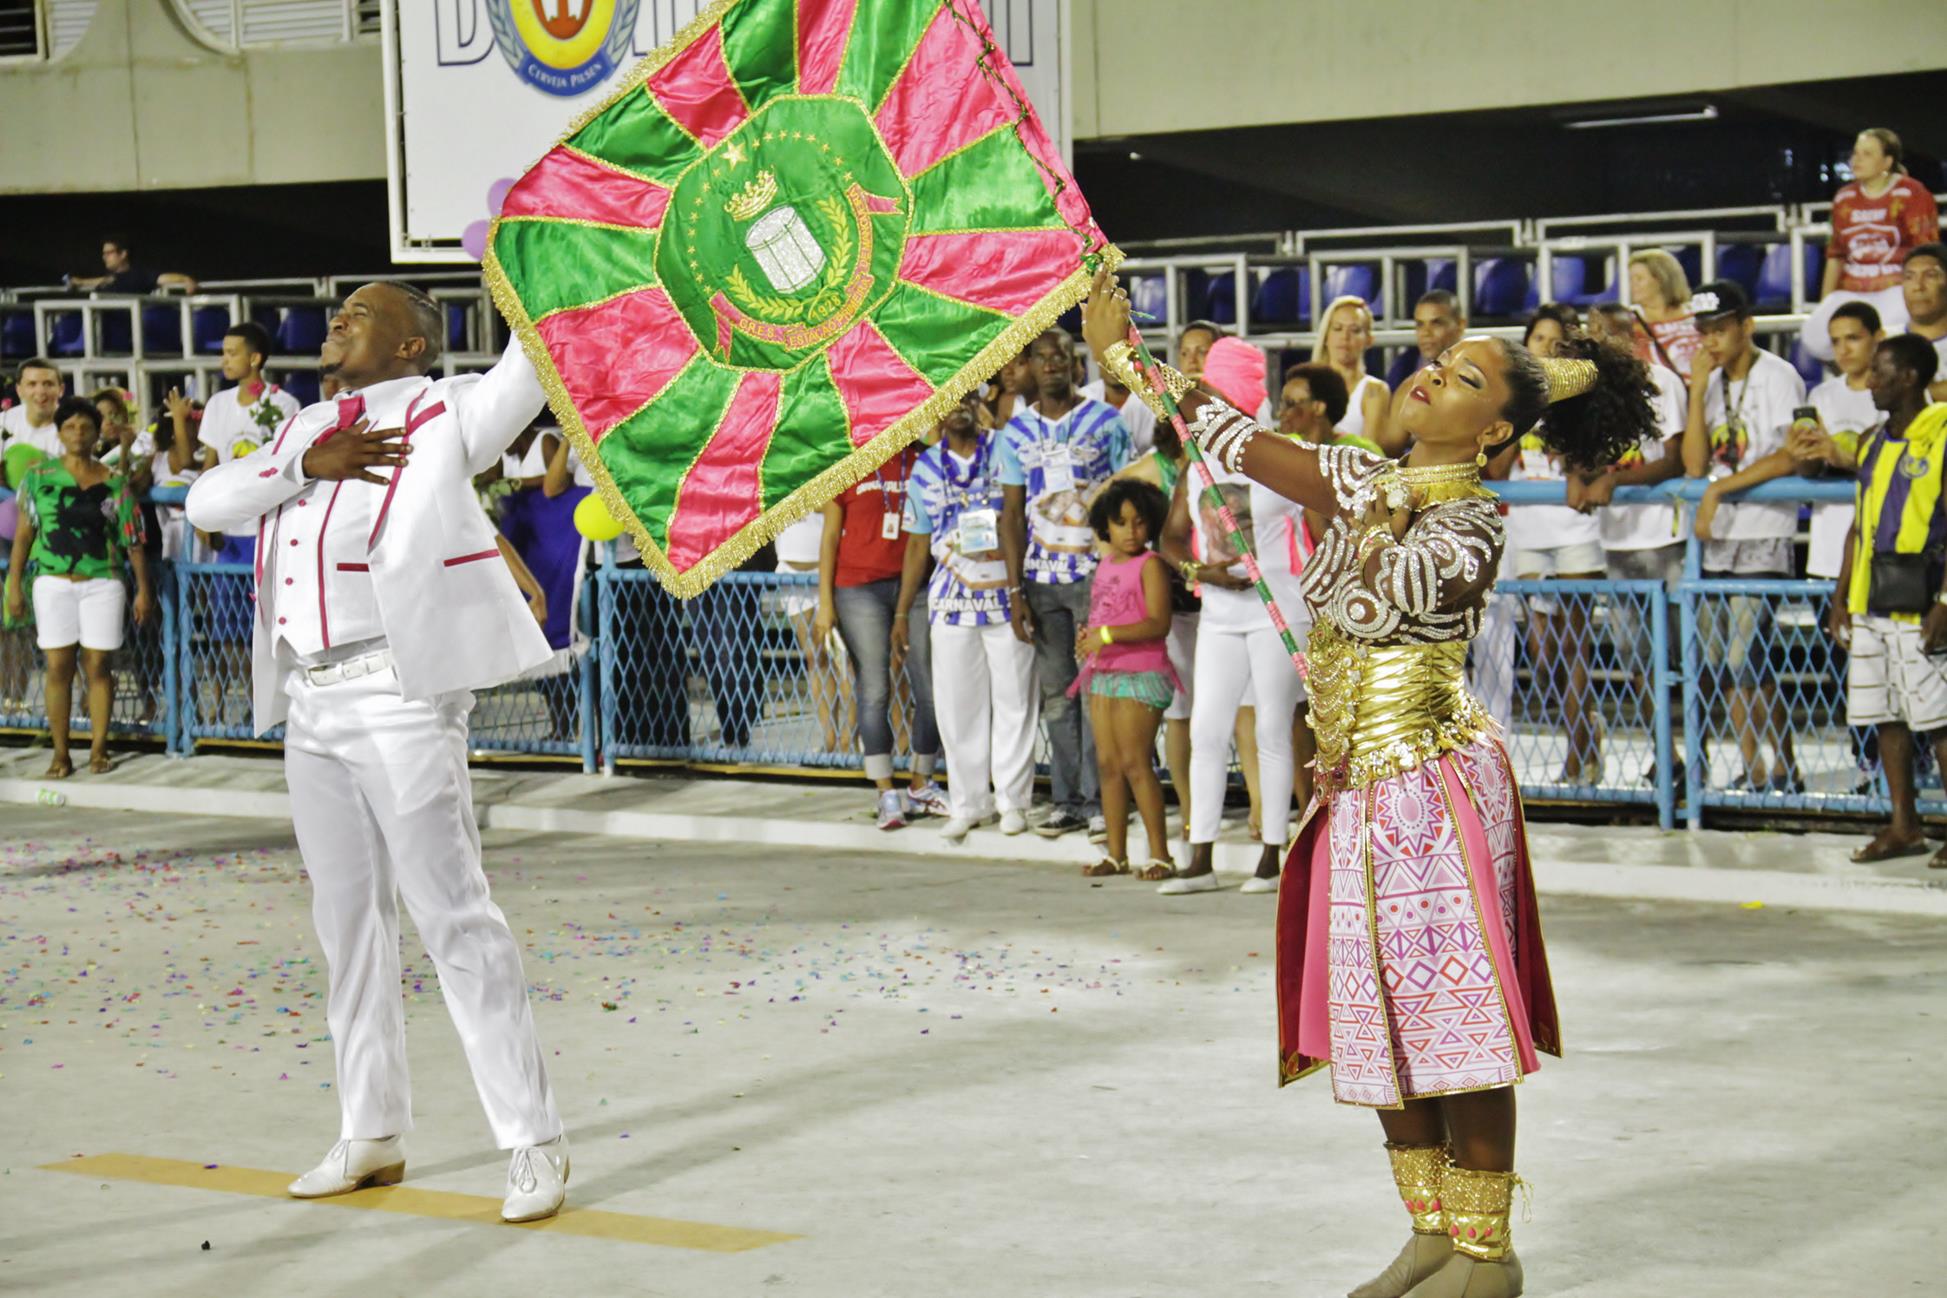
column 451, row 623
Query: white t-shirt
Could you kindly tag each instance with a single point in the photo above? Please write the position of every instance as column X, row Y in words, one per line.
column 799, row 543
column 1845, row 410
column 1138, row 418
column 1272, row 524
column 1649, row 527
column 233, row 429
column 1940, row 350
column 1545, row 527
column 1746, row 425
column 16, row 431
column 1354, row 422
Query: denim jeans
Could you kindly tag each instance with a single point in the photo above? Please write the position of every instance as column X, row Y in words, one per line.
column 1060, row 612
column 865, row 624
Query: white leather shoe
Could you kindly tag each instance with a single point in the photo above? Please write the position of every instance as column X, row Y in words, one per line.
column 537, row 1181
column 1184, row 884
column 353, row 1165
column 1013, row 822
column 1260, row 883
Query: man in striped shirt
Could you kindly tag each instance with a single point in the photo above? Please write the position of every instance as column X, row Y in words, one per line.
column 1055, row 454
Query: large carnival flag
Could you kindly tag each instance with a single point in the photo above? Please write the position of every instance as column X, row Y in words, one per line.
column 792, row 238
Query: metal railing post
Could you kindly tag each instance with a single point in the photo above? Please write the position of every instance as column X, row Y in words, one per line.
column 610, row 650
column 1666, row 780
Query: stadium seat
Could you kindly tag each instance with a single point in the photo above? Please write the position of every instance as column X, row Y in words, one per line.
column 17, row 335
column 1691, row 258
column 302, row 331
column 1443, row 273
column 1774, row 287
column 1280, row 297
column 207, row 325
column 455, row 327
column 1403, row 365
column 1500, row 286
column 1360, row 281
column 64, row 334
column 1741, row 263
column 162, row 330
column 302, row 384
column 1220, row 298
column 1149, row 294
column 1809, row 367
column 1567, row 276
column 117, row 333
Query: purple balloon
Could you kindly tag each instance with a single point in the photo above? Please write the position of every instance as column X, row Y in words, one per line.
column 9, row 518
column 474, row 240
column 497, row 194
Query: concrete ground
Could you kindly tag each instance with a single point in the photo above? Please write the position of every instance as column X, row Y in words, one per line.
column 942, row 1075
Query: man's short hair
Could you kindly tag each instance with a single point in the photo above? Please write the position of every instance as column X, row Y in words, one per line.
column 1863, row 312
column 1938, row 251
column 39, row 363
column 1326, row 385
column 428, row 319
column 119, row 240
column 1441, row 298
column 1912, row 352
column 255, row 337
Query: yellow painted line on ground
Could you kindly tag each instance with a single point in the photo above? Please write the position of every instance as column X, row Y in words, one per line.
column 441, row 1204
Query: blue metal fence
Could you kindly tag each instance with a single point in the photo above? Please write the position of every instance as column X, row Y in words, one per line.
column 1717, row 693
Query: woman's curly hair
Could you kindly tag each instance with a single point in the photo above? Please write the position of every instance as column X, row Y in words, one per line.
column 1592, row 431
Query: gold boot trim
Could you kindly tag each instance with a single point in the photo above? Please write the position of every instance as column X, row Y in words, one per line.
column 1477, row 1208
column 1418, row 1171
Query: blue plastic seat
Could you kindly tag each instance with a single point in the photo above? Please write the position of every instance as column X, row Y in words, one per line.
column 162, row 330
column 117, row 333
column 17, row 335
column 1150, row 295
column 1809, row 367
column 1278, row 298
column 1567, row 275
column 1742, row 263
column 1774, row 286
column 1402, row 367
column 1500, row 286
column 455, row 327
column 1691, row 258
column 302, row 384
column 64, row 334
column 302, row 331
column 1220, row 298
column 1360, row 281
column 1443, row 273
column 207, row 325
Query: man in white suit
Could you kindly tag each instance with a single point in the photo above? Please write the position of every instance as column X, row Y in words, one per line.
column 382, row 600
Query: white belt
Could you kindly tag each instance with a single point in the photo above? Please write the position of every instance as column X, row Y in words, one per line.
column 351, row 669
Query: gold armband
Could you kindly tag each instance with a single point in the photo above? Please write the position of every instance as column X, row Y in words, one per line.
column 1119, row 363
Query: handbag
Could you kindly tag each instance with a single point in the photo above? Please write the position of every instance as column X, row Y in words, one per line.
column 1905, row 583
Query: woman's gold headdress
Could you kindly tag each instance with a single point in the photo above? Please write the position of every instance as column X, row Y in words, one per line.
column 1568, row 378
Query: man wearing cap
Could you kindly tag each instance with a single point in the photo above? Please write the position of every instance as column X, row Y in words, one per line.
column 1741, row 403
column 382, row 601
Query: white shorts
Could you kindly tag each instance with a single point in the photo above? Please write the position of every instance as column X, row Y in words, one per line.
column 1890, row 679
column 1556, row 561
column 1183, row 657
column 88, row 613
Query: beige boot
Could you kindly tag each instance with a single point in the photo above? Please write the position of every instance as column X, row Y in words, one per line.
column 1483, row 1264
column 1417, row 1171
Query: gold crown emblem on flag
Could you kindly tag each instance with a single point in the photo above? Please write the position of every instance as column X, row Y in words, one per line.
column 752, row 198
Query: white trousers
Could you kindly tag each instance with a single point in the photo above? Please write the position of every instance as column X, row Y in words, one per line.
column 1228, row 664
column 1491, row 673
column 985, row 702
column 383, row 807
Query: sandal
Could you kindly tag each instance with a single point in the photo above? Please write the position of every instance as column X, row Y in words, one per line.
column 1157, row 871
column 1884, row 847
column 1103, row 868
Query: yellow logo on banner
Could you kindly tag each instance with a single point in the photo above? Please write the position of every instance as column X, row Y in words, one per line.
column 565, row 47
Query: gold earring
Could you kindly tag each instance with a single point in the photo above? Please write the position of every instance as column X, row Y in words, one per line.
column 1480, row 458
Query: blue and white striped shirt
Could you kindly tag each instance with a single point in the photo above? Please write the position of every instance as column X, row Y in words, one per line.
column 969, row 587
column 1090, row 442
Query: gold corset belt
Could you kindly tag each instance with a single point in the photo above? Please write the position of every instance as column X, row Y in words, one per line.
column 1381, row 709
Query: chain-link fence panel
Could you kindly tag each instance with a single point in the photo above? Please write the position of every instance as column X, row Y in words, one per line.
column 735, row 675
column 1765, row 714
column 1578, row 674
column 215, row 605
column 143, row 691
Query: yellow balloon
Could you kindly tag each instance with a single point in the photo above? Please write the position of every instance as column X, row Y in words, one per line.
column 593, row 520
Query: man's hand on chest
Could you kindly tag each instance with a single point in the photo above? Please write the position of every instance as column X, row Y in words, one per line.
column 354, row 453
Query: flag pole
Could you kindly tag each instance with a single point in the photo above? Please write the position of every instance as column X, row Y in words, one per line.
column 1151, row 373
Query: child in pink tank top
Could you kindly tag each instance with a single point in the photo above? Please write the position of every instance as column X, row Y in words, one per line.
column 1124, row 652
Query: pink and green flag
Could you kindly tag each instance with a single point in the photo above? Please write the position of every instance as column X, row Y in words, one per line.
column 790, row 240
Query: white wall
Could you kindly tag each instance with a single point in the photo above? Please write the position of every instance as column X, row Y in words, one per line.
column 1178, row 65
column 140, row 104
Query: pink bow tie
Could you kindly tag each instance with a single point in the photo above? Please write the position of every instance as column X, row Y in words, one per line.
column 350, row 410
